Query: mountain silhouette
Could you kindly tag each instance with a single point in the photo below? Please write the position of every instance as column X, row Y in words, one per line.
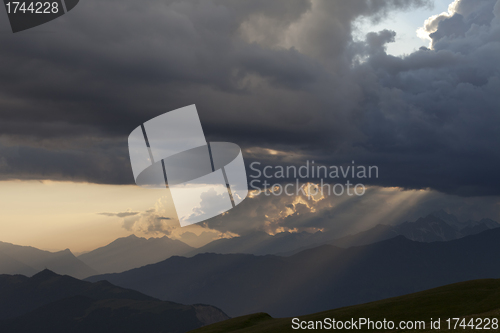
column 437, row 226
column 48, row 302
column 316, row 279
column 261, row 243
column 27, row 260
column 131, row 252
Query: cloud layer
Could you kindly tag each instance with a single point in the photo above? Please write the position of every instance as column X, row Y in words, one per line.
column 282, row 75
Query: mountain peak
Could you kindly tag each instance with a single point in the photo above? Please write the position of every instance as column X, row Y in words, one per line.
column 45, row 274
column 131, row 252
column 130, row 239
column 490, row 223
column 65, row 253
column 450, row 219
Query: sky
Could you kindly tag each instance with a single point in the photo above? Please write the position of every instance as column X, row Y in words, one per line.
column 288, row 81
column 405, row 24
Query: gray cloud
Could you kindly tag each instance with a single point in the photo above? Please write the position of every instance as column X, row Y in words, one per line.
column 153, row 221
column 122, row 214
column 284, row 75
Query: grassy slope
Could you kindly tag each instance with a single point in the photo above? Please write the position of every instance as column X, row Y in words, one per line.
column 466, row 299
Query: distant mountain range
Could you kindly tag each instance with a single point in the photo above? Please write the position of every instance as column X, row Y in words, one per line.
column 48, row 302
column 316, row 279
column 470, row 300
column 261, row 243
column 27, row 260
column 441, row 226
column 131, row 252
column 437, row 226
column 306, row 277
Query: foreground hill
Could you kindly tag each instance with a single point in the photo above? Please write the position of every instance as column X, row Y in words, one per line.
column 471, row 299
column 48, row 302
column 27, row 260
column 318, row 279
column 131, row 252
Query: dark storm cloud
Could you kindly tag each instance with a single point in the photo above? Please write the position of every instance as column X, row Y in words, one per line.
column 284, row 75
column 436, row 113
column 78, row 160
